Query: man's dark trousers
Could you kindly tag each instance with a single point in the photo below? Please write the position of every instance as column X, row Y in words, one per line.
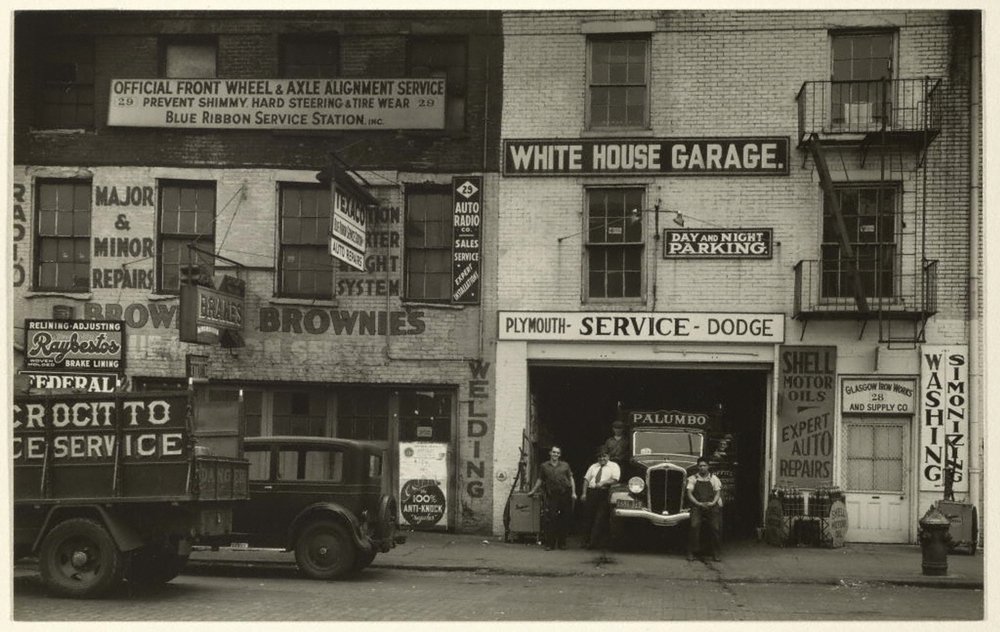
column 558, row 514
column 710, row 516
column 600, row 514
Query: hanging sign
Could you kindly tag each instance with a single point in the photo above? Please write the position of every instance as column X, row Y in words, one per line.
column 348, row 223
column 743, row 156
column 466, row 250
column 74, row 345
column 944, row 416
column 806, row 390
column 723, row 243
column 207, row 314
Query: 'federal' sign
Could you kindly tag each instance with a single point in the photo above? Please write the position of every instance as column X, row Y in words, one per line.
column 750, row 156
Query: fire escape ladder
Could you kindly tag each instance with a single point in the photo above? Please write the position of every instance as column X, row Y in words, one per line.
column 826, row 182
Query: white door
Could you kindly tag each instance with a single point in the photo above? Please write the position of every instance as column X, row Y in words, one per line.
column 876, row 472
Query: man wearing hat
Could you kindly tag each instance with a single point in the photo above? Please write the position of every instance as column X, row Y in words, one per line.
column 617, row 446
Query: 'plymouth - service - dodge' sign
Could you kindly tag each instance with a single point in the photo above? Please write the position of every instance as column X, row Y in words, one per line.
column 750, row 156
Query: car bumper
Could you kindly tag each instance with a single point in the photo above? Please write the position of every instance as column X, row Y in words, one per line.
column 659, row 520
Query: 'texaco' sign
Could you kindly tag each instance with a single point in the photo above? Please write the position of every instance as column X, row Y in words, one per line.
column 667, row 156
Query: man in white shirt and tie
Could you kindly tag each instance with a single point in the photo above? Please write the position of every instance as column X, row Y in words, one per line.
column 596, row 485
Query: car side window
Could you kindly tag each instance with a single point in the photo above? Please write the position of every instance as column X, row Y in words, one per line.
column 260, row 464
column 374, row 466
column 324, row 465
column 288, row 461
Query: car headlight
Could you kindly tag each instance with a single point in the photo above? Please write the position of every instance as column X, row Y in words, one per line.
column 636, row 484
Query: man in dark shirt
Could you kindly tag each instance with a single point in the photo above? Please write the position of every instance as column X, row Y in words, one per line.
column 555, row 479
column 617, row 445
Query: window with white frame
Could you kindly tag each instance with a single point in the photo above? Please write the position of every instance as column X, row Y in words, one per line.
column 62, row 239
column 189, row 57
column 186, row 217
column 428, row 244
column 618, row 82
column 861, row 74
column 305, row 266
column 614, row 246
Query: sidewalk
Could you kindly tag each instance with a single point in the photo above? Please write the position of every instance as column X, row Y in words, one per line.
column 742, row 562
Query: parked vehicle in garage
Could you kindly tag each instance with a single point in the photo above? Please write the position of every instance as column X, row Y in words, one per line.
column 321, row 498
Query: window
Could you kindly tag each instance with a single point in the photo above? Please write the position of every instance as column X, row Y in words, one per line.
column 618, row 93
column 869, row 213
column 67, row 83
column 310, row 55
column 187, row 216
column 428, row 245
column 424, row 416
column 875, row 456
column 614, row 243
column 310, row 464
column 305, row 265
column 253, row 409
column 443, row 57
column 862, row 64
column 363, row 414
column 260, row 464
column 62, row 249
column 189, row 58
column 300, row 413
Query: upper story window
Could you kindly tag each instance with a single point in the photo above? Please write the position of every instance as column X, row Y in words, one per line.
column 189, row 58
column 618, row 82
column 862, row 67
column 443, row 57
column 614, row 248
column 62, row 246
column 186, row 216
column 428, row 244
column 316, row 56
column 305, row 267
column 66, row 74
column 870, row 213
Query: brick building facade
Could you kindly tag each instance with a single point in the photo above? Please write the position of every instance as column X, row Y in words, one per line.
column 137, row 134
column 759, row 216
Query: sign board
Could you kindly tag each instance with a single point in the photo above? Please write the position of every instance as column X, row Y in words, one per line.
column 196, row 366
column 350, row 203
column 737, row 156
column 75, row 382
column 75, row 346
column 944, row 416
column 670, row 418
column 642, row 327
column 206, row 313
column 423, row 484
column 466, row 249
column 722, row 243
column 295, row 104
column 806, row 390
column 877, row 396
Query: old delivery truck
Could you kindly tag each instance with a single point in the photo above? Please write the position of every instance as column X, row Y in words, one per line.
column 118, row 486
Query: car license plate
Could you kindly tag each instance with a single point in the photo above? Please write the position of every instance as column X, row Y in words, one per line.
column 240, row 545
column 624, row 503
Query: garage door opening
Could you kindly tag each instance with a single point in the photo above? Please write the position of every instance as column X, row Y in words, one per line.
column 575, row 406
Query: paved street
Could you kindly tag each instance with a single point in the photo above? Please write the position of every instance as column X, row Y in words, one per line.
column 388, row 594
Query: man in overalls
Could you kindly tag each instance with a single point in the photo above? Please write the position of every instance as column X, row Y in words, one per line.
column 704, row 491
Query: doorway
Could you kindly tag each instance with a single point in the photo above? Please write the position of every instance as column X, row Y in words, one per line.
column 876, row 490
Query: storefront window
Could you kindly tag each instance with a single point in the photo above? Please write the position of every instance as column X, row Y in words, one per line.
column 363, row 414
column 253, row 412
column 425, row 416
column 300, row 413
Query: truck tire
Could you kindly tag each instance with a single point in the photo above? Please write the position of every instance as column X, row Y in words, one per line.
column 154, row 565
column 364, row 560
column 325, row 550
column 79, row 559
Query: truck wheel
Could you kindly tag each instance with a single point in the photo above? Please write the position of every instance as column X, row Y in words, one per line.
column 364, row 560
column 154, row 565
column 79, row 559
column 324, row 550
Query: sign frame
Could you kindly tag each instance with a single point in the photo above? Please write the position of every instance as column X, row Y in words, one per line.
column 766, row 238
column 199, row 328
column 33, row 327
column 467, row 240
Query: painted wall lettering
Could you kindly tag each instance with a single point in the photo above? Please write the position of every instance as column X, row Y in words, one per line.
column 478, row 428
column 944, row 420
column 126, row 196
column 341, row 322
column 19, row 275
column 135, row 315
column 805, row 416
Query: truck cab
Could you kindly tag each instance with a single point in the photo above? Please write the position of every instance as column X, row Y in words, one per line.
column 653, row 486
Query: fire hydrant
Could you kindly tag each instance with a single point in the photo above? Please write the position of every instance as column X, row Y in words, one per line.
column 934, row 541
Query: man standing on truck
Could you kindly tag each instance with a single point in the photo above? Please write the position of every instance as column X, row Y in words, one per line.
column 555, row 479
column 617, row 445
column 596, row 484
column 704, row 491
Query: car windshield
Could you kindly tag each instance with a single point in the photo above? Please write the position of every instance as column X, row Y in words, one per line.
column 666, row 443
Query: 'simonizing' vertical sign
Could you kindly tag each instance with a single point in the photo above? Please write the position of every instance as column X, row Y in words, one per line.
column 466, row 251
column 944, row 416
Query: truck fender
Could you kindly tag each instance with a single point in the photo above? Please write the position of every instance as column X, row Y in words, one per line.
column 329, row 510
column 125, row 537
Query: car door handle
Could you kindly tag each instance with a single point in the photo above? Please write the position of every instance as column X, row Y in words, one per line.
column 268, row 486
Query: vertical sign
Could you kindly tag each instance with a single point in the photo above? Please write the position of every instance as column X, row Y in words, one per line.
column 466, row 249
column 804, row 451
column 348, row 220
column 423, row 484
column 944, row 419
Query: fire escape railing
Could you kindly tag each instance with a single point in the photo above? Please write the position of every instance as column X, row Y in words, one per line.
column 824, row 288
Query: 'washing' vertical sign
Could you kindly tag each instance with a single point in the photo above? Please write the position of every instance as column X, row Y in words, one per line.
column 944, row 416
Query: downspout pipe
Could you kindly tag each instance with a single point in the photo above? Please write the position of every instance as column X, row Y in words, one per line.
column 975, row 338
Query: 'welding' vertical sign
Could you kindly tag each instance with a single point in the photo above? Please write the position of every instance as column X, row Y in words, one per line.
column 466, row 251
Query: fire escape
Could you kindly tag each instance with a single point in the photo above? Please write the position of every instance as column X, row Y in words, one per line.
column 876, row 269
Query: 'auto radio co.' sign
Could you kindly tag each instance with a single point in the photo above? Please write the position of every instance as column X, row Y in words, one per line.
column 666, row 156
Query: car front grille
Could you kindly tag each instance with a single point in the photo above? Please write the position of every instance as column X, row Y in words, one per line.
column 666, row 490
